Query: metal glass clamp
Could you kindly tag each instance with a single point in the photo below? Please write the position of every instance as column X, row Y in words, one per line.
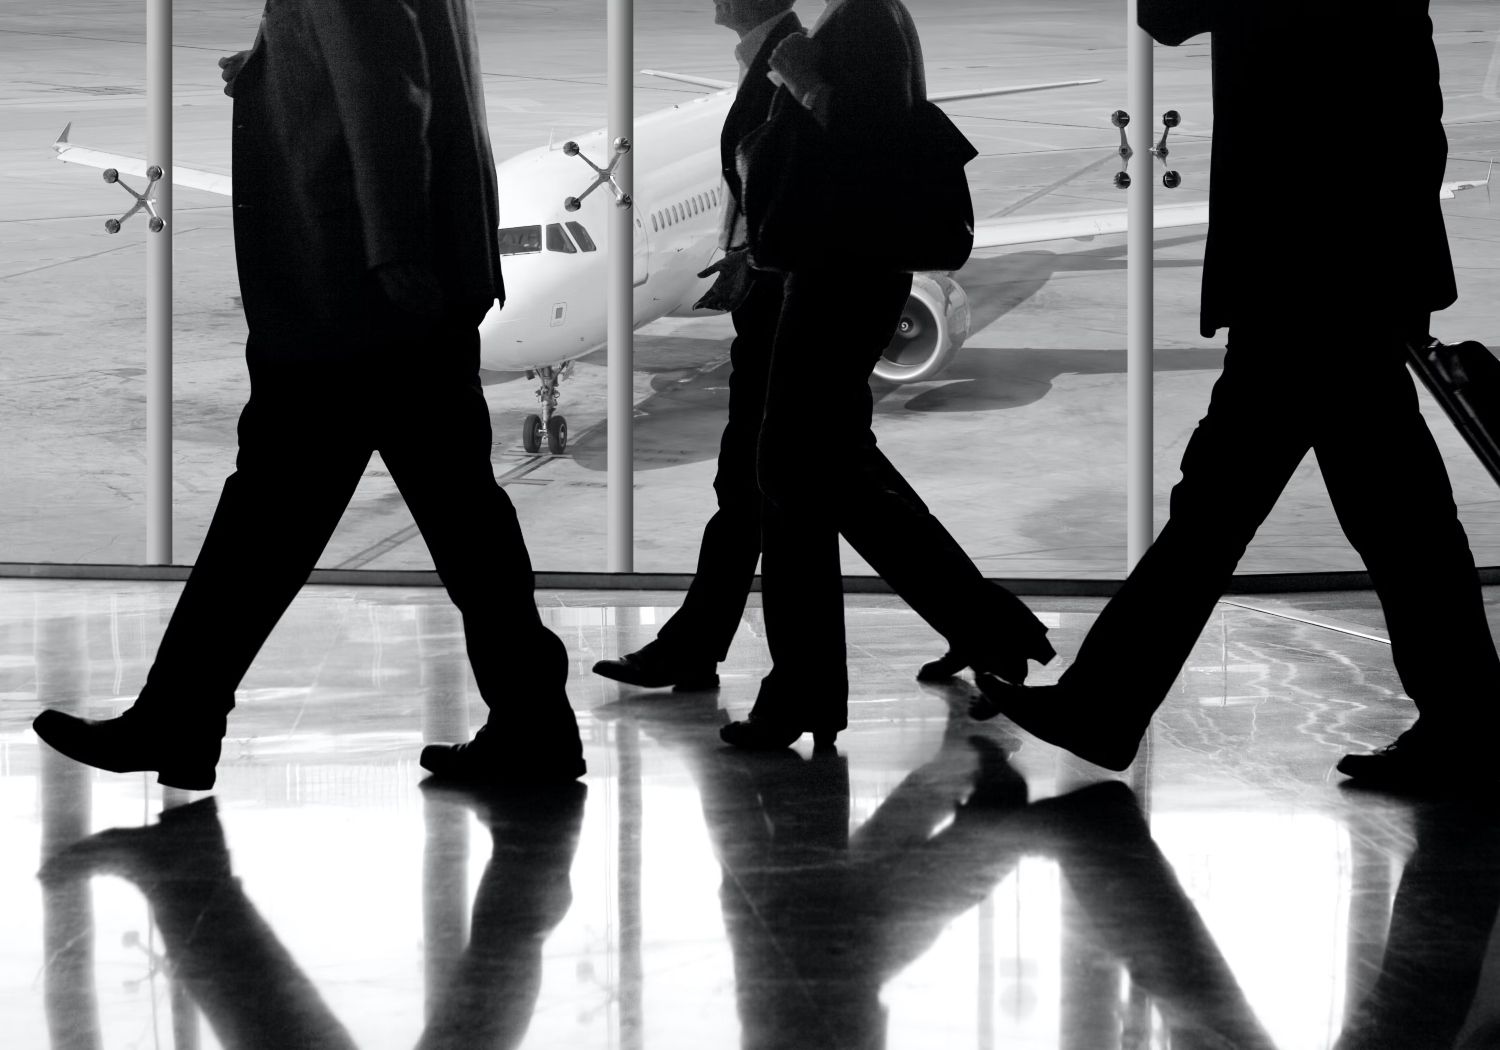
column 602, row 176
column 142, row 200
column 1169, row 120
column 1120, row 119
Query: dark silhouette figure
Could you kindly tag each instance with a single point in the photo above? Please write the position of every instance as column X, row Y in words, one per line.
column 698, row 635
column 821, row 918
column 1314, row 362
column 365, row 234
column 1442, row 926
column 251, row 990
column 220, row 949
column 859, row 74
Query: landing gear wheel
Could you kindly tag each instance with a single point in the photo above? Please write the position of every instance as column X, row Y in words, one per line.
column 557, row 435
column 531, row 433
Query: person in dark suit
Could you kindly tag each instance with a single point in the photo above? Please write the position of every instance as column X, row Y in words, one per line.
column 1315, row 362
column 693, row 641
column 365, row 233
column 858, row 74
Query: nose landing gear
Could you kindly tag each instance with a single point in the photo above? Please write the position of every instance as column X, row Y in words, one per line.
column 547, row 423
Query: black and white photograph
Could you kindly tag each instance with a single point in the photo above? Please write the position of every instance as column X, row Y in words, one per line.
column 763, row 524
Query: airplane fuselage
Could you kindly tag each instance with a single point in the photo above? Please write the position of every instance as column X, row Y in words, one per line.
column 555, row 261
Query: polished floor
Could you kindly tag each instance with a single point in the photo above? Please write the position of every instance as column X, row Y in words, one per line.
column 937, row 883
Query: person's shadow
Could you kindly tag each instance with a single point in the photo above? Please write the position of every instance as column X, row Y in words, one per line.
column 250, row 989
column 820, row 917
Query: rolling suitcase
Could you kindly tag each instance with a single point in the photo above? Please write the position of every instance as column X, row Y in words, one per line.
column 1465, row 380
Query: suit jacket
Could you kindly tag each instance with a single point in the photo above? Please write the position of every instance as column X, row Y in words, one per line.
column 752, row 103
column 360, row 139
column 1368, row 243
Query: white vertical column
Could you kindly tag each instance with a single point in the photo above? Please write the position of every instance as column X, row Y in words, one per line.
column 620, row 410
column 159, row 287
column 1139, row 252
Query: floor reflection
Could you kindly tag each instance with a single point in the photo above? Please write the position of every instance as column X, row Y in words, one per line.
column 934, row 882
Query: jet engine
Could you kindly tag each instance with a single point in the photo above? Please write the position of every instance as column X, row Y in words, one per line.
column 934, row 324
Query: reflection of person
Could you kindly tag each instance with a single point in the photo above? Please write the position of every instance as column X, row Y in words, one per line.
column 1314, row 363
column 1136, row 910
column 247, row 984
column 820, row 919
column 365, row 219
column 1442, row 923
column 698, row 635
column 251, row 990
column 523, row 894
column 858, row 72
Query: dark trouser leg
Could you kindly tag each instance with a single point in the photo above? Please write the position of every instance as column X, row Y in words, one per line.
column 437, row 447
column 1235, row 466
column 1392, row 496
column 846, row 480
column 710, row 614
column 297, row 468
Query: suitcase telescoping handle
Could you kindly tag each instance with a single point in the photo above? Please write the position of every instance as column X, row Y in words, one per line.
column 1464, row 379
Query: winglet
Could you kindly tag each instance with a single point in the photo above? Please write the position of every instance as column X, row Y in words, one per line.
column 62, row 140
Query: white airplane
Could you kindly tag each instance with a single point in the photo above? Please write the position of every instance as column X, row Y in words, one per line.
column 555, row 258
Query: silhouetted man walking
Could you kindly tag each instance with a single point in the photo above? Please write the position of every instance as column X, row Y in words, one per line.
column 1316, row 360
column 365, row 233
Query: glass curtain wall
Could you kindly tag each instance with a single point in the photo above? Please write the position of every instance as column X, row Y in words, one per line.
column 1015, row 438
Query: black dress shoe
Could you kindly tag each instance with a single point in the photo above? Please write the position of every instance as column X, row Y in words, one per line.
column 1008, row 665
column 1106, row 735
column 763, row 734
column 1418, row 763
column 487, row 762
column 655, row 666
column 943, row 668
column 181, row 751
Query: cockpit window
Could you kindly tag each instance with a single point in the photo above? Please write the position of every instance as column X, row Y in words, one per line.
column 519, row 240
column 582, row 237
column 557, row 241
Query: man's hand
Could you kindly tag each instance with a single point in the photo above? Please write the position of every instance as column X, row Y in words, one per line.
column 411, row 288
column 230, row 67
column 795, row 64
column 732, row 286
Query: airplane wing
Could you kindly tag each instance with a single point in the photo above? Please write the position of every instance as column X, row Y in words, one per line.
column 686, row 78
column 947, row 96
column 1034, row 229
column 193, row 178
column 1030, row 229
column 1450, row 188
column 955, row 96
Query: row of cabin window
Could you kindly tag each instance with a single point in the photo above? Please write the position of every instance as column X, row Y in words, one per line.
column 695, row 204
column 522, row 240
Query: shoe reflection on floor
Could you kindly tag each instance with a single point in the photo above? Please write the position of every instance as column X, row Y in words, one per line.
column 234, row 968
column 820, row 918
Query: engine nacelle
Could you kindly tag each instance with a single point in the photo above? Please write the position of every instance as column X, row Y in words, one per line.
column 934, row 324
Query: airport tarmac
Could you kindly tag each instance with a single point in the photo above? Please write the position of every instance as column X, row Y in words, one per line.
column 1018, row 446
